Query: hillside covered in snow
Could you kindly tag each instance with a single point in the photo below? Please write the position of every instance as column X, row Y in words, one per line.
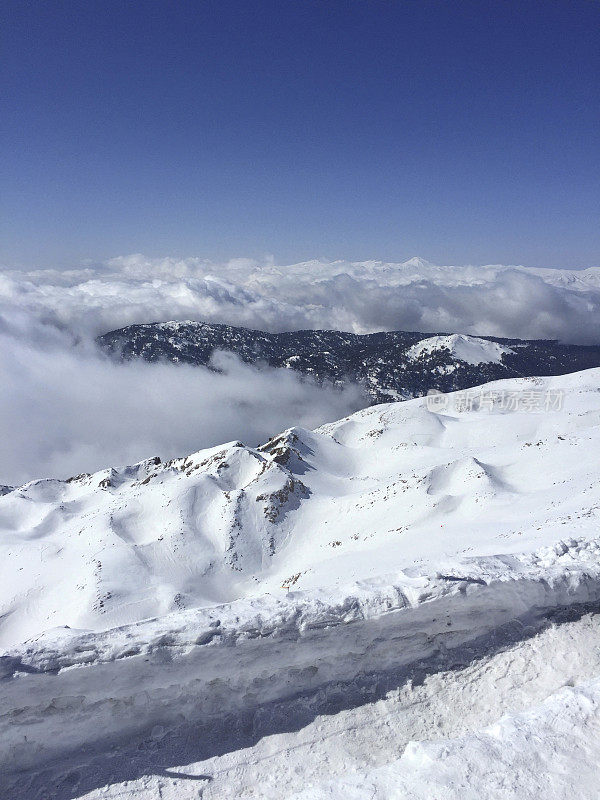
column 265, row 600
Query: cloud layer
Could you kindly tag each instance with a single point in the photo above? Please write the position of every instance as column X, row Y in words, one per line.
column 64, row 408
column 359, row 297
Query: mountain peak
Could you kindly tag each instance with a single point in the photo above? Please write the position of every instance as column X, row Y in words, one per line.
column 417, row 262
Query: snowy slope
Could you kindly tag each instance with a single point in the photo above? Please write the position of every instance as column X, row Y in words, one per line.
column 390, row 487
column 470, row 349
column 550, row 751
column 407, row 534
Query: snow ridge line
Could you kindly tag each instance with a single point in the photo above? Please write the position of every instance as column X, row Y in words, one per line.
column 69, row 690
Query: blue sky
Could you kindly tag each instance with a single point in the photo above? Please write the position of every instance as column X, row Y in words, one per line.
column 464, row 132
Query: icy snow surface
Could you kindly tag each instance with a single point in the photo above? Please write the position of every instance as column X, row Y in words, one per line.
column 402, row 574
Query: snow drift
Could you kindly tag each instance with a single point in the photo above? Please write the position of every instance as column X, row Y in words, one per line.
column 66, row 690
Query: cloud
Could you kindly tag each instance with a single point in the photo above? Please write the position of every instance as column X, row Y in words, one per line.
column 354, row 296
column 67, row 409
column 64, row 408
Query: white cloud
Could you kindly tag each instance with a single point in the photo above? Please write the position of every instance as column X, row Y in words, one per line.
column 64, row 408
column 360, row 297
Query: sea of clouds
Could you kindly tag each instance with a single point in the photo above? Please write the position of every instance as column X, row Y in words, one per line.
column 65, row 408
column 361, row 297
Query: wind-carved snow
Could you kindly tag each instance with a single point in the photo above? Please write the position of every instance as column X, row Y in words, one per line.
column 470, row 349
column 385, row 540
column 123, row 544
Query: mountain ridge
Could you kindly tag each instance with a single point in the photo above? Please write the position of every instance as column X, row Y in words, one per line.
column 345, row 501
column 388, row 365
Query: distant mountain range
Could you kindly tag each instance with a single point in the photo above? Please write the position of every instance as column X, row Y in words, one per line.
column 390, row 366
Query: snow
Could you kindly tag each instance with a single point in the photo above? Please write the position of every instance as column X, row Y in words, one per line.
column 342, row 730
column 551, row 750
column 272, row 592
column 391, row 487
column 470, row 349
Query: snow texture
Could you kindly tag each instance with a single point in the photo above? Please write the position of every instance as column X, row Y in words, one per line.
column 550, row 751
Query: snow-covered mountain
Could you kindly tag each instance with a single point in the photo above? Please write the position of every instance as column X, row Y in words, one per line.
column 389, row 365
column 349, row 501
column 247, row 589
column 464, row 349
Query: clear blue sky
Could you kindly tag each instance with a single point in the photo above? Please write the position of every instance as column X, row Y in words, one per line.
column 459, row 131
